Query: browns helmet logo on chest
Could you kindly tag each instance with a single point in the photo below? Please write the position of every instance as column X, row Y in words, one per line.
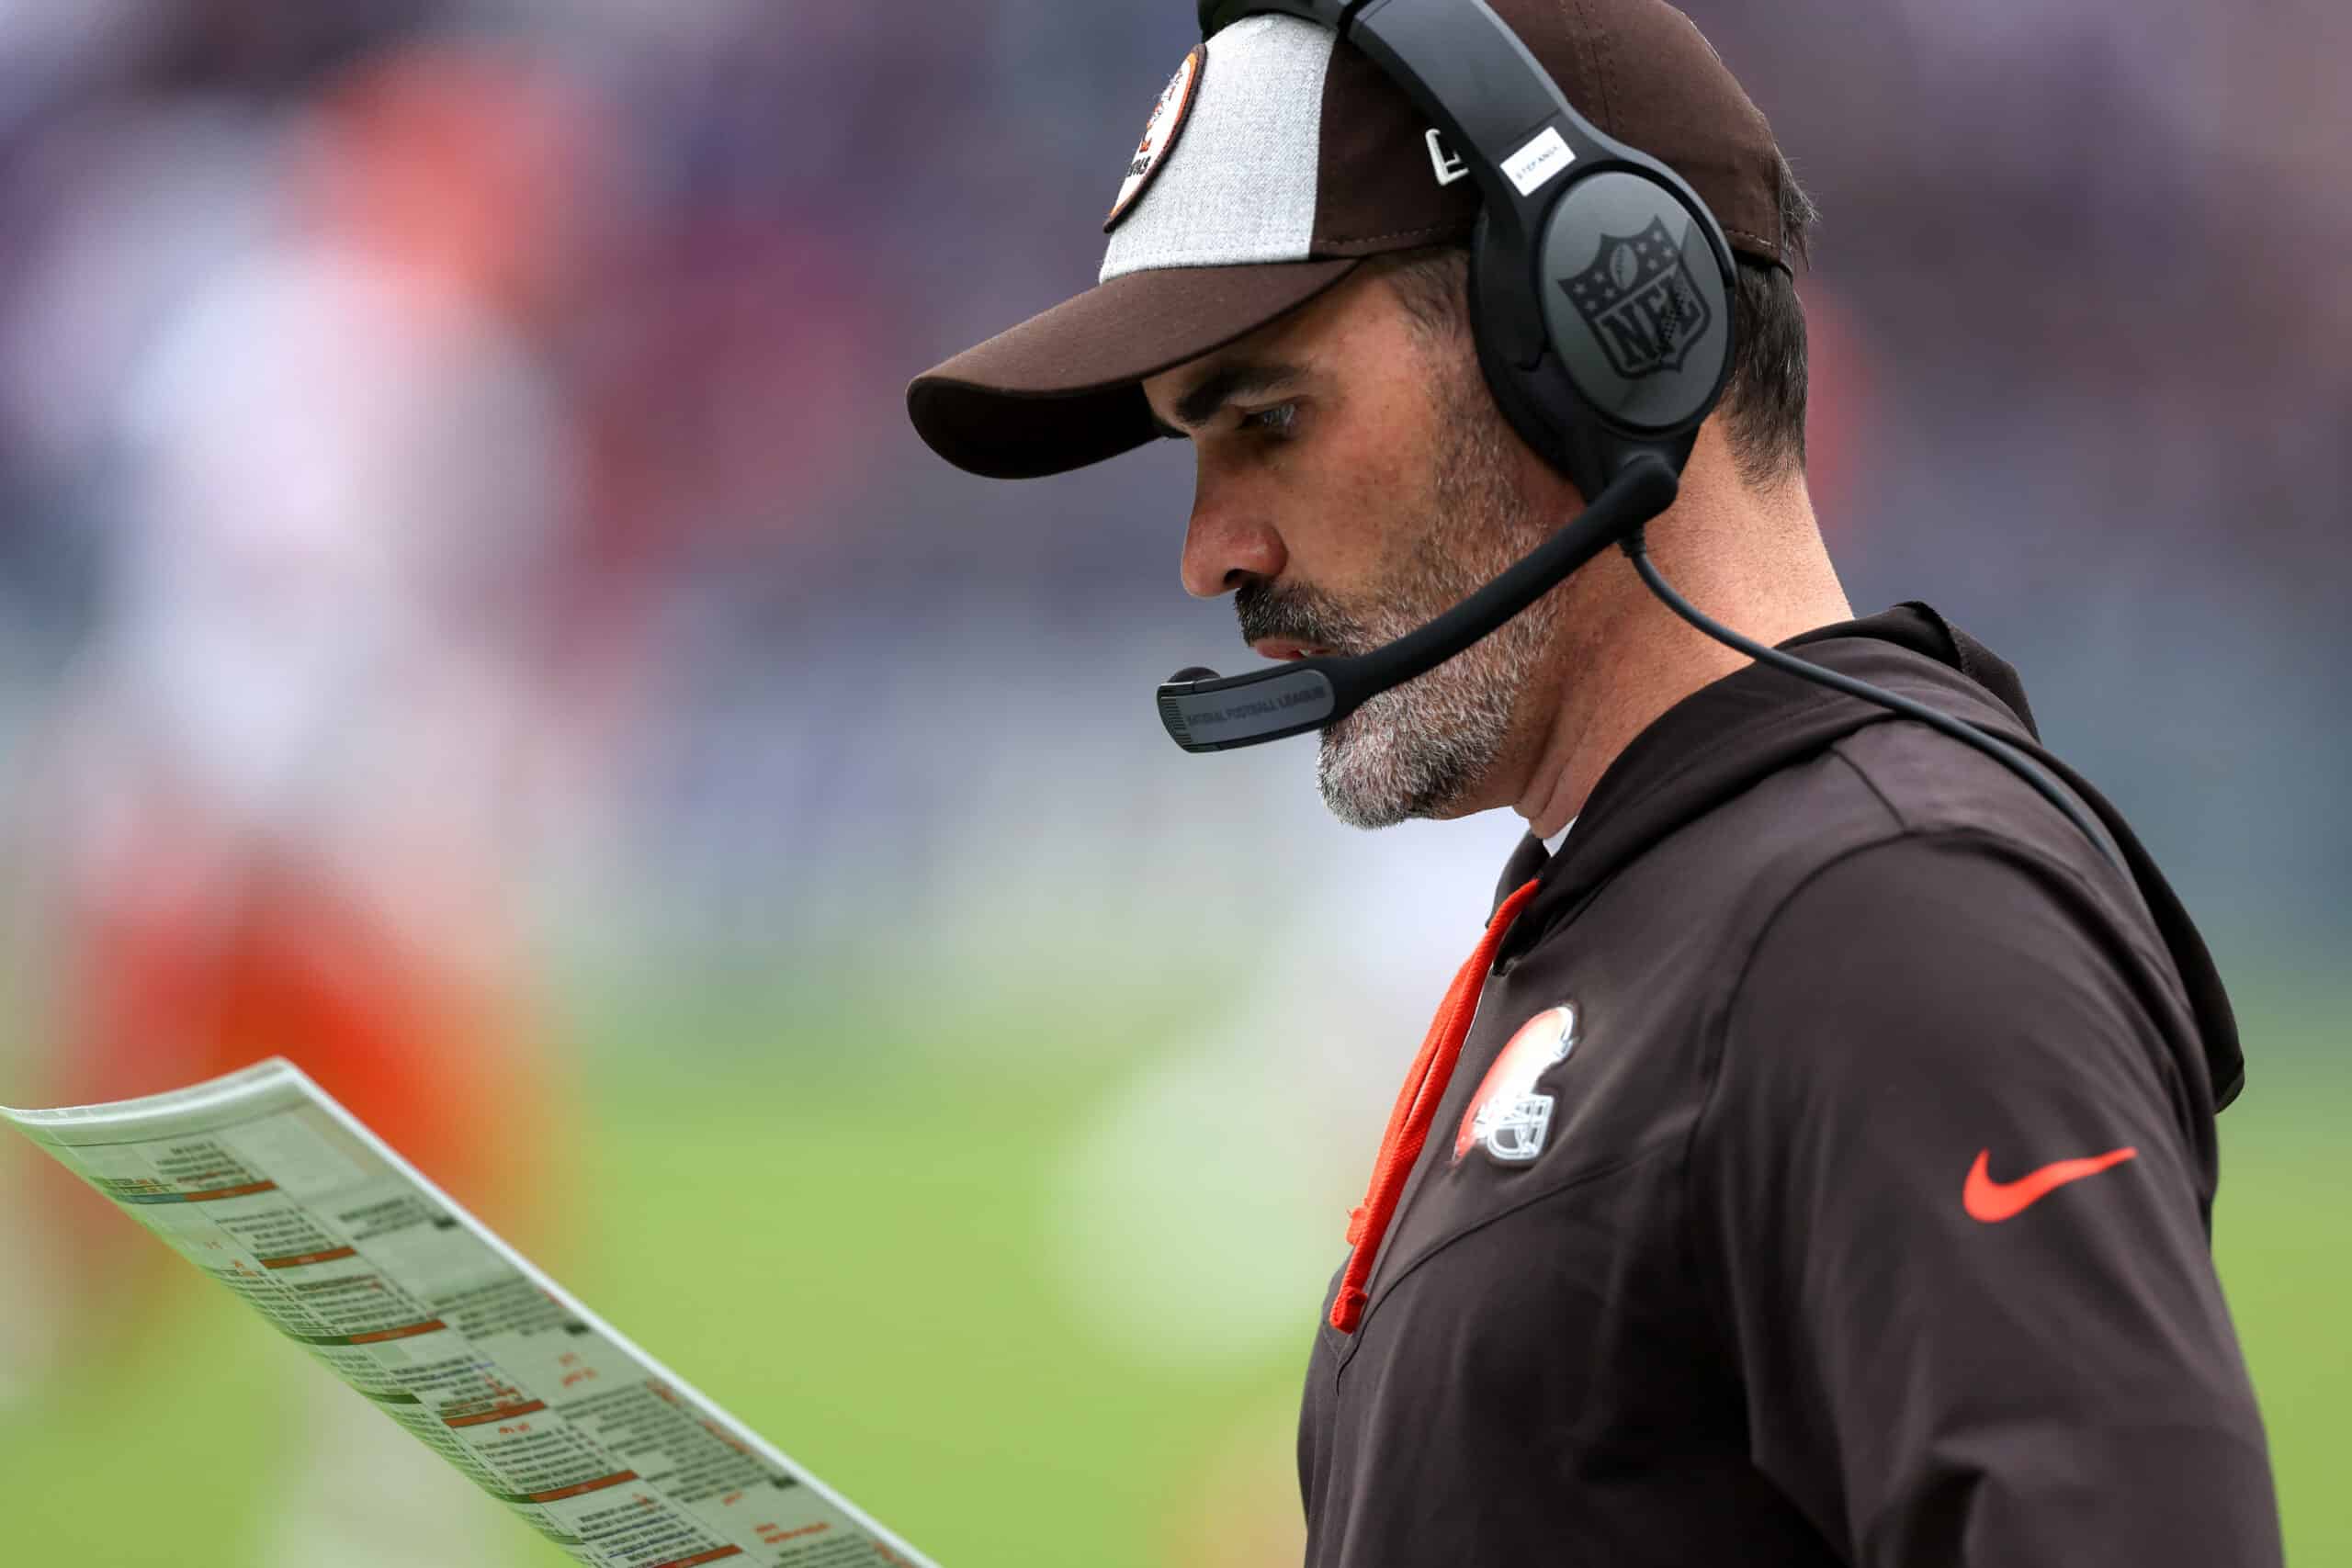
column 1507, row 1116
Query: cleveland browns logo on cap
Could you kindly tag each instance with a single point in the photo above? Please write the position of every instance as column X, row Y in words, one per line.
column 1507, row 1116
column 1160, row 136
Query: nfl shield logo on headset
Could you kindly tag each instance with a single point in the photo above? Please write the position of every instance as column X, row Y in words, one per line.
column 1640, row 301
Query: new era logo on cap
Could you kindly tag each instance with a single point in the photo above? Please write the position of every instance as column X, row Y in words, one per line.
column 1444, row 160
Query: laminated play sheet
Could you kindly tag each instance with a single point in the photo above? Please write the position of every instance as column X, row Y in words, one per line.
column 274, row 1189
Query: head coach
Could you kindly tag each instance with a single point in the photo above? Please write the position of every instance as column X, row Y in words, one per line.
column 1813, row 1161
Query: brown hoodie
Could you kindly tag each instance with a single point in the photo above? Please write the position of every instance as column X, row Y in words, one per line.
column 1826, row 1179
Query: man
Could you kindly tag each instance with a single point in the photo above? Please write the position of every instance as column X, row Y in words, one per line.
column 1826, row 1176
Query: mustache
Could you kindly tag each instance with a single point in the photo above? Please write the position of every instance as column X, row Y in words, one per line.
column 1301, row 615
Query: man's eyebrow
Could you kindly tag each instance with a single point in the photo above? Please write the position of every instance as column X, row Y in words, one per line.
column 1239, row 378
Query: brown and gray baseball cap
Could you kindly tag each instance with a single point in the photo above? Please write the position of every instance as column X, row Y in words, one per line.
column 1277, row 160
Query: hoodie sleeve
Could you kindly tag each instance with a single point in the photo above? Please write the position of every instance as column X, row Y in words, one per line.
column 1952, row 1186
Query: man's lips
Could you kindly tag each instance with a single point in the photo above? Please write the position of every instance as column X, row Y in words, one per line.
column 1285, row 647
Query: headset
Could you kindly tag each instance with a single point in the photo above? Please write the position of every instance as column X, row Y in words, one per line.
column 1603, row 305
column 1565, row 208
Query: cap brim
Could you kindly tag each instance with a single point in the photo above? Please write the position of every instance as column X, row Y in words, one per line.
column 1060, row 390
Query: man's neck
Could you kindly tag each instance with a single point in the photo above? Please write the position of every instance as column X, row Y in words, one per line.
column 1649, row 671
column 1632, row 658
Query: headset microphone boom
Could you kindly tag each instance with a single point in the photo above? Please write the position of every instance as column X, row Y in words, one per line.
column 1206, row 712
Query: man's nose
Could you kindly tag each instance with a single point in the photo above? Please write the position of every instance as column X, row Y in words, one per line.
column 1226, row 545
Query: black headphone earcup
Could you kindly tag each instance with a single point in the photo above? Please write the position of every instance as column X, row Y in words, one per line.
column 1637, row 302
column 1510, row 332
column 1615, row 336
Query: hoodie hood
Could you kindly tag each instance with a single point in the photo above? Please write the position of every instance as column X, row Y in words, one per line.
column 1724, row 737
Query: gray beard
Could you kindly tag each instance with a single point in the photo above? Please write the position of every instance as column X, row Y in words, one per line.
column 1422, row 749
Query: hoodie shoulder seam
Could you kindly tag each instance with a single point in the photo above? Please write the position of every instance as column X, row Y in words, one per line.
column 1902, row 821
column 1718, row 1028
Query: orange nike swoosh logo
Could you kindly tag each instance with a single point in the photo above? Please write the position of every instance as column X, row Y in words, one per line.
column 1993, row 1201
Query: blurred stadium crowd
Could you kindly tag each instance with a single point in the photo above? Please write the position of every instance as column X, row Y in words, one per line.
column 746, row 663
column 461, row 553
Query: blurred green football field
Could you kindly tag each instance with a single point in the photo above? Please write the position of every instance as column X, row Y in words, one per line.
column 852, row 1261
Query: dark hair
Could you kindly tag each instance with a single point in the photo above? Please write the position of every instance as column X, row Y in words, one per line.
column 1763, row 405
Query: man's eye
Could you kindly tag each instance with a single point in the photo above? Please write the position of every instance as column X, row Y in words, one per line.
column 1276, row 420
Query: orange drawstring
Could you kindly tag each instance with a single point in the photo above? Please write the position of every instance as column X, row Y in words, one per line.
column 1408, row 1123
